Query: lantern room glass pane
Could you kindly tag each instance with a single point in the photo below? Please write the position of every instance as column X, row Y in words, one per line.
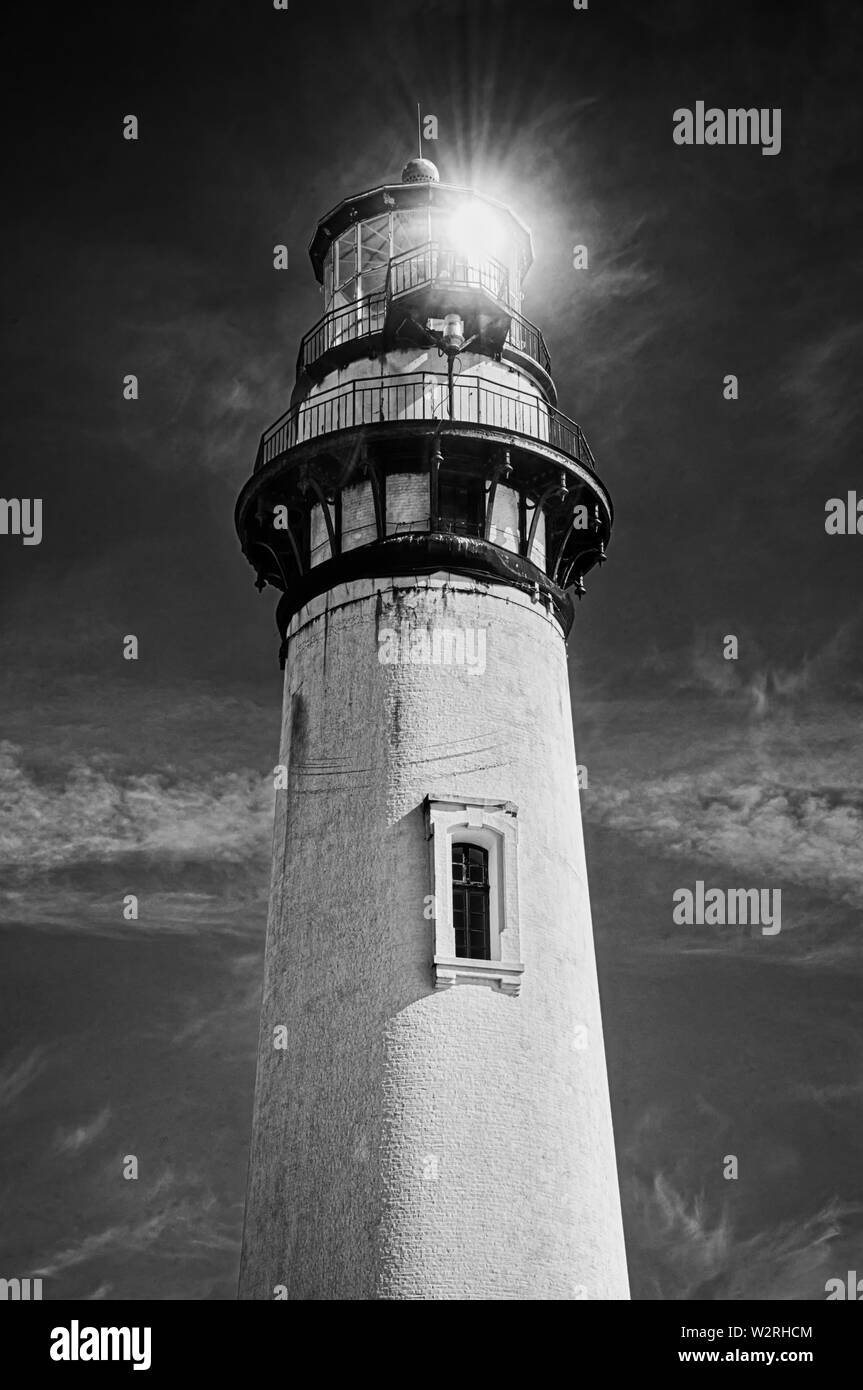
column 410, row 229
column 375, row 242
column 346, row 265
column 374, row 254
column 373, row 280
column 346, row 295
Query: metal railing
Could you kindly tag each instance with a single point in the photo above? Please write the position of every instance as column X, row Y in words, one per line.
column 424, row 396
column 433, row 263
column 358, row 320
column 525, row 337
column 366, row 316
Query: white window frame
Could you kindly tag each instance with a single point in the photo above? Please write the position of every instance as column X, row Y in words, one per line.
column 493, row 825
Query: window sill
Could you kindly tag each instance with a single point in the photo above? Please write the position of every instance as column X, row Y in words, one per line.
column 450, row 970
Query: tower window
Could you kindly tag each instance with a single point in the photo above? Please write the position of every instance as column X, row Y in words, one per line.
column 470, row 902
column 474, row 892
column 461, row 502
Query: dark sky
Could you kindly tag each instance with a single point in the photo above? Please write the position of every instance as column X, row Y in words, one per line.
column 152, row 777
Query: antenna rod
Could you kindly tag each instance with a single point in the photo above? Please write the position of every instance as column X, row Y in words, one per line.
column 419, row 131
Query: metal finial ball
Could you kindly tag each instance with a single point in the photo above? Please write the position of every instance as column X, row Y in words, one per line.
column 420, row 171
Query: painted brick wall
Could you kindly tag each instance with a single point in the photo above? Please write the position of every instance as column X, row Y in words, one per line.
column 413, row 1144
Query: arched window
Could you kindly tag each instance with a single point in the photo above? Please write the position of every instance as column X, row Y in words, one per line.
column 470, row 901
column 474, row 892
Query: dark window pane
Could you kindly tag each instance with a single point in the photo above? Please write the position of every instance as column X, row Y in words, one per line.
column 461, row 504
column 470, row 902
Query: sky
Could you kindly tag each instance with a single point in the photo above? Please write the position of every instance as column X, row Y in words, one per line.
column 153, row 777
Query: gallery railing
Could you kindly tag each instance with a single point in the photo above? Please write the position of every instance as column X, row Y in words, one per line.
column 357, row 320
column 433, row 263
column 424, row 396
column 525, row 337
column 365, row 317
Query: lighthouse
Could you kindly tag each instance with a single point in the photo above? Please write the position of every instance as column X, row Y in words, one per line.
column 431, row 1116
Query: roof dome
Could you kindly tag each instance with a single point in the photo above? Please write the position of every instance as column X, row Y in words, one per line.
column 420, row 171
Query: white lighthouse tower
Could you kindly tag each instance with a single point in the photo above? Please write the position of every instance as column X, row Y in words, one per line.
column 432, row 1117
